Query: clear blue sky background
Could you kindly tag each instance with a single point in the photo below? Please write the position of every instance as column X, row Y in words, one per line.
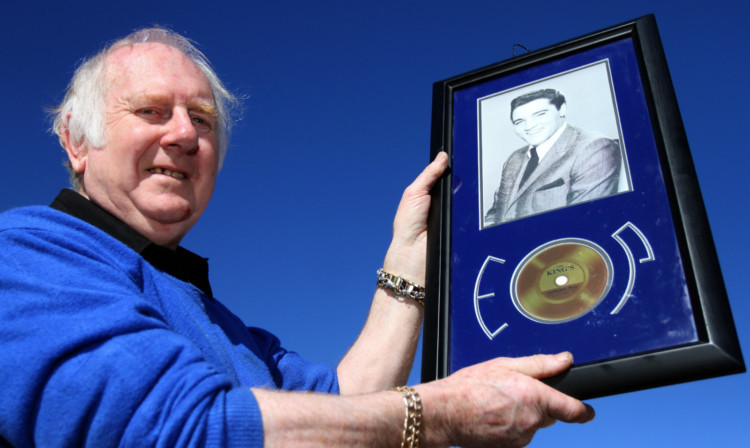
column 336, row 124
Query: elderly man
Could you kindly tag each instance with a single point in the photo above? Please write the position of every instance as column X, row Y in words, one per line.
column 110, row 332
column 560, row 166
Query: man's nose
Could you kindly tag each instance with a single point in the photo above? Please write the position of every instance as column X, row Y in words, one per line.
column 180, row 132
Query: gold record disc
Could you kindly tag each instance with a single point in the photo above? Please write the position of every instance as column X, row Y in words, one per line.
column 561, row 281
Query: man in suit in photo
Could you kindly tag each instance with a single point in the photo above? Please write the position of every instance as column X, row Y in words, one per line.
column 560, row 166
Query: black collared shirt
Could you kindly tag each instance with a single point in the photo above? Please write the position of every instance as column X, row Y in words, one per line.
column 180, row 263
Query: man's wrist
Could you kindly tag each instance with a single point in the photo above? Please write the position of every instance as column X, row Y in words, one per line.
column 412, row 428
column 400, row 286
column 406, row 262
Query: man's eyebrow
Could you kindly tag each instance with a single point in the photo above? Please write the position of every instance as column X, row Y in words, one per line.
column 200, row 106
column 149, row 99
column 203, row 107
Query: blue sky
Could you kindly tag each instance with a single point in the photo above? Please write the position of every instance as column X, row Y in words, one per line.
column 337, row 123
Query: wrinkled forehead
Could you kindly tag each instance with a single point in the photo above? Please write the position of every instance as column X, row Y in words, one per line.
column 154, row 64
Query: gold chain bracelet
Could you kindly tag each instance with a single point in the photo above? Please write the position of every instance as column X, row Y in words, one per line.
column 413, row 421
column 401, row 286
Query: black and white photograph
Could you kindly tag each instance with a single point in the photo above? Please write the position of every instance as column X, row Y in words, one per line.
column 550, row 144
column 571, row 219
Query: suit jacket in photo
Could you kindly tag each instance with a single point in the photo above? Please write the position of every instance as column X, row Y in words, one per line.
column 579, row 167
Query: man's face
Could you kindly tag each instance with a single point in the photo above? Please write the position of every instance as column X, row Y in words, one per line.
column 536, row 121
column 158, row 168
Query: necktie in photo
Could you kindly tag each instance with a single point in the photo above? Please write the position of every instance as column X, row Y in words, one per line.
column 533, row 162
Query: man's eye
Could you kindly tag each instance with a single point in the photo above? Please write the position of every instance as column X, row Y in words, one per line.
column 202, row 123
column 147, row 111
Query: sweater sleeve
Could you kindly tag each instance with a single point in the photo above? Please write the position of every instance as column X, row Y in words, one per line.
column 293, row 372
column 288, row 370
column 88, row 360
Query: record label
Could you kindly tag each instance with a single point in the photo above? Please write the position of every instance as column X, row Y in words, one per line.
column 561, row 280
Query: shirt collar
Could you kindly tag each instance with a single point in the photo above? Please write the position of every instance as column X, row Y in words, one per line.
column 543, row 148
column 180, row 263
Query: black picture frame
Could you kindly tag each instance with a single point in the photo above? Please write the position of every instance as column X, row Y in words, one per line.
column 657, row 317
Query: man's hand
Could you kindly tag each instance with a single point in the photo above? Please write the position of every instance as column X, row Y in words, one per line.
column 498, row 403
column 406, row 255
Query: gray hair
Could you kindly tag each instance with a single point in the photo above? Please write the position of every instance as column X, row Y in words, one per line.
column 85, row 98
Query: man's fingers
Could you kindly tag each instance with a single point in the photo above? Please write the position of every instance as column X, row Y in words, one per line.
column 412, row 211
column 539, row 366
column 427, row 178
column 548, row 421
column 567, row 409
column 559, row 406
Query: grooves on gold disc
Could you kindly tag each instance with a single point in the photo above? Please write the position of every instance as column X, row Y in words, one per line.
column 562, row 281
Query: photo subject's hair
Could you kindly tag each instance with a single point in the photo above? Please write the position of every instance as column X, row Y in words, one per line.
column 556, row 98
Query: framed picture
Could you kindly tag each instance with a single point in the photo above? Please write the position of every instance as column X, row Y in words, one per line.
column 571, row 219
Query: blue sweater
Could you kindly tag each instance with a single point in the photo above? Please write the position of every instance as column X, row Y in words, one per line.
column 100, row 348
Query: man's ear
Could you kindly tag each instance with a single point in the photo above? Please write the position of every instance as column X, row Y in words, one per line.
column 563, row 110
column 76, row 150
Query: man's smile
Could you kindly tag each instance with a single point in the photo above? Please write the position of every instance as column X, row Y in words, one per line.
column 166, row 172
